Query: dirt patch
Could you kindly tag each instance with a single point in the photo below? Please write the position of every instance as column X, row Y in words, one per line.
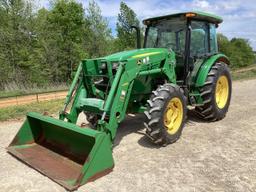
column 245, row 69
column 209, row 157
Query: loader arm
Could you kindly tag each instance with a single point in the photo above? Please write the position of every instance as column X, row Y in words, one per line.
column 112, row 108
column 112, row 105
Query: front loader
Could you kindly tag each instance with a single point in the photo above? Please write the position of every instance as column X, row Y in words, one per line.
column 178, row 66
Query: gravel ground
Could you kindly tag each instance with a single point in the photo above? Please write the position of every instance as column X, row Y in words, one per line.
column 219, row 156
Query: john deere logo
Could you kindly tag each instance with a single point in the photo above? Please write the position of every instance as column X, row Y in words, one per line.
column 139, row 62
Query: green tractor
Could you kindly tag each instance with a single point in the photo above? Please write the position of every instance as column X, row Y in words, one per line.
column 178, row 66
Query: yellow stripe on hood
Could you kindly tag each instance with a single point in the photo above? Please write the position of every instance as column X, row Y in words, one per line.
column 145, row 54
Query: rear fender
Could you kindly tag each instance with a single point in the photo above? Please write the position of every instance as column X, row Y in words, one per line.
column 206, row 67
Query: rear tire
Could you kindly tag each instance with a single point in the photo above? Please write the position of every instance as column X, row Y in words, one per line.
column 216, row 93
column 166, row 114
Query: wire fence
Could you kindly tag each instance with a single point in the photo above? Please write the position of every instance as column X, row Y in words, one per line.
column 38, row 97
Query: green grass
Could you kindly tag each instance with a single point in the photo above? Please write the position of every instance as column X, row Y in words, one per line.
column 5, row 94
column 10, row 93
column 12, row 89
column 15, row 112
column 251, row 74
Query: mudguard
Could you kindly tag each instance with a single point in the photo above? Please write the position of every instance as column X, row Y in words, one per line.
column 206, row 66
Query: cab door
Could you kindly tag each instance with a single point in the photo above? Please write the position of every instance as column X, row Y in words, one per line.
column 200, row 47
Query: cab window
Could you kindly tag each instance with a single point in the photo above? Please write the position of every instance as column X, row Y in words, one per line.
column 199, row 45
column 213, row 39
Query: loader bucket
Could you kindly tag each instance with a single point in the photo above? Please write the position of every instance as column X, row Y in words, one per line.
column 64, row 152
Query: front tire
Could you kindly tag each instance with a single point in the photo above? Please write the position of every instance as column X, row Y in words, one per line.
column 166, row 114
column 216, row 93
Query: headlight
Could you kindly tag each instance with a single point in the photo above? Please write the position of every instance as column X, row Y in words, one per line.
column 103, row 66
column 115, row 65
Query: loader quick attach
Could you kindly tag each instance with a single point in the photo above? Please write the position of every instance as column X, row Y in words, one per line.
column 179, row 65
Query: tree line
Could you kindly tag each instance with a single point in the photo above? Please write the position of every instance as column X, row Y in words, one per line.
column 44, row 46
column 238, row 50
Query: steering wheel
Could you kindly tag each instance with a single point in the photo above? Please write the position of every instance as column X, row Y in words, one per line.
column 170, row 46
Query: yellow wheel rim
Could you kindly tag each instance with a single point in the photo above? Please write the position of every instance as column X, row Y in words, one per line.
column 173, row 115
column 222, row 92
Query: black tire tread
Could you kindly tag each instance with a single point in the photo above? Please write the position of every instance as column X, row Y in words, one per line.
column 154, row 114
column 208, row 111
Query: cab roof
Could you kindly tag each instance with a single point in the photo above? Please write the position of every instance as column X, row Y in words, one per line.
column 199, row 15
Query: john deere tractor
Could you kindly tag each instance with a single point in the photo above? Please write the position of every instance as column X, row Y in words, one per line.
column 178, row 66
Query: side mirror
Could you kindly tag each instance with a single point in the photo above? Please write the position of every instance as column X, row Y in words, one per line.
column 137, row 35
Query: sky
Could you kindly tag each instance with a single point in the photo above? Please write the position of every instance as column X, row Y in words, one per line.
column 239, row 15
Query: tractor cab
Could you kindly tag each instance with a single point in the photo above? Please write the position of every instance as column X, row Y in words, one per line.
column 191, row 35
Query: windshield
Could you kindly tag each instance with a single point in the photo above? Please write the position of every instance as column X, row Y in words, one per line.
column 168, row 34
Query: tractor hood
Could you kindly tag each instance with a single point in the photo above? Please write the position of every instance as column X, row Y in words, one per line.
column 136, row 53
